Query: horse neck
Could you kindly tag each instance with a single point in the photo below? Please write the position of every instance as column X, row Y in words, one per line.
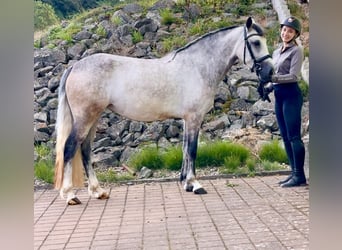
column 214, row 55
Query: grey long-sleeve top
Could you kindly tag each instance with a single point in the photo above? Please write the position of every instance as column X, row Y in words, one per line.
column 287, row 64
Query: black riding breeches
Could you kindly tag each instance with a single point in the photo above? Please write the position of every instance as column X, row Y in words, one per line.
column 288, row 107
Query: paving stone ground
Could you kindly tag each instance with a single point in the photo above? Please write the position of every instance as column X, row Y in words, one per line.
column 240, row 213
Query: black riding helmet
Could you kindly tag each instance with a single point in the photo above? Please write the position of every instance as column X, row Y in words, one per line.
column 293, row 23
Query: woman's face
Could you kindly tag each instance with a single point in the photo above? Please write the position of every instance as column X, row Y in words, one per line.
column 287, row 34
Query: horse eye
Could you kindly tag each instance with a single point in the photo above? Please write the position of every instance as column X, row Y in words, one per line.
column 256, row 43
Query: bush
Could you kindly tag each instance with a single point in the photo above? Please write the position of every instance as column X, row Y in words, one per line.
column 44, row 15
column 44, row 170
column 149, row 157
column 167, row 17
column 273, row 152
column 219, row 152
column 66, row 34
column 44, row 165
column 137, row 37
column 173, row 157
column 213, row 154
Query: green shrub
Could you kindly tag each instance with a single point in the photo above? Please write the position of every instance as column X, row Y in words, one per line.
column 44, row 170
column 172, row 42
column 273, row 37
column 273, row 152
column 137, row 37
column 116, row 20
column 272, row 166
column 44, row 165
column 101, row 31
column 66, row 34
column 44, row 15
column 173, row 157
column 167, row 17
column 304, row 87
column 219, row 152
column 110, row 176
column 149, row 157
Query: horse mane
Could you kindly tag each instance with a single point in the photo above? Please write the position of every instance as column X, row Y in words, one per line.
column 256, row 27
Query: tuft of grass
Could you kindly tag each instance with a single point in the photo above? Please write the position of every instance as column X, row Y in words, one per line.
column 44, row 165
column 221, row 153
column 44, row 170
column 110, row 176
column 273, row 37
column 149, row 157
column 218, row 153
column 271, row 166
column 167, row 17
column 101, row 31
column 304, row 87
column 137, row 37
column 296, row 10
column 57, row 32
column 116, row 20
column 173, row 157
column 273, row 152
column 173, row 42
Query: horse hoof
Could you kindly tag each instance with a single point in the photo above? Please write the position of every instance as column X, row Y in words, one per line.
column 188, row 188
column 103, row 196
column 200, row 191
column 74, row 201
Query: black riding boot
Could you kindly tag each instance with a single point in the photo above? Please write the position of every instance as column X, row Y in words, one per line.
column 289, row 153
column 298, row 175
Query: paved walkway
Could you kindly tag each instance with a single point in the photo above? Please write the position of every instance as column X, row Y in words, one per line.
column 241, row 213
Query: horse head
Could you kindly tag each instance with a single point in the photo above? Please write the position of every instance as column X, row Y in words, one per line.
column 256, row 51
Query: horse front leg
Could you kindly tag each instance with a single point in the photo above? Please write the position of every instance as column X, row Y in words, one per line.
column 188, row 172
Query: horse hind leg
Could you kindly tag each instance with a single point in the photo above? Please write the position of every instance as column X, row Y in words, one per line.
column 94, row 188
column 70, row 150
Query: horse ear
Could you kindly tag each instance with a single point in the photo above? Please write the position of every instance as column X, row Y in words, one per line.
column 249, row 22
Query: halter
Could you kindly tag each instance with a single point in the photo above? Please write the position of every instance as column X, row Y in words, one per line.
column 256, row 62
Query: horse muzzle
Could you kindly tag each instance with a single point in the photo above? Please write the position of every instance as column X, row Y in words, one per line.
column 265, row 71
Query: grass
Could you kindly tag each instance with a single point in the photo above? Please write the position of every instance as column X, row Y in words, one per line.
column 66, row 34
column 110, row 176
column 148, row 156
column 230, row 158
column 273, row 152
column 44, row 165
column 167, row 17
column 137, row 37
column 204, row 25
column 173, row 42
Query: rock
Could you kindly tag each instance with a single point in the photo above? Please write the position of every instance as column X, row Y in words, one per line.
column 145, row 173
column 82, row 35
column 76, row 51
column 49, row 57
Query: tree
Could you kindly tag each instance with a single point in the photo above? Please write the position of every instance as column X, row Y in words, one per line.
column 44, row 15
column 66, row 8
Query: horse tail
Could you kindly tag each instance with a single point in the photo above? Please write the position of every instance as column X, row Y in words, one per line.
column 64, row 124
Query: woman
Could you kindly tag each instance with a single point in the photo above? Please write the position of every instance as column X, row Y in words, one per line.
column 288, row 59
